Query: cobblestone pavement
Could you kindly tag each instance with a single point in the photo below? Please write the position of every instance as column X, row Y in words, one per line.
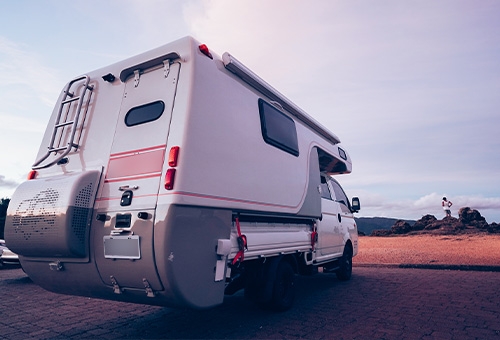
column 378, row 303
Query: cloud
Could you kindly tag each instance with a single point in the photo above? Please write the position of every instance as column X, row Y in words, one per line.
column 20, row 66
column 21, row 124
column 148, row 24
column 7, row 184
column 272, row 38
column 412, row 91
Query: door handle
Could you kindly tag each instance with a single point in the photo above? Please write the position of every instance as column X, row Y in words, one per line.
column 339, row 217
column 126, row 187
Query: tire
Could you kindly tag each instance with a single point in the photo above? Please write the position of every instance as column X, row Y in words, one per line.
column 345, row 265
column 283, row 293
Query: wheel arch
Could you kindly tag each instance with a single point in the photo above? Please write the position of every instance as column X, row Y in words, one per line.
column 349, row 245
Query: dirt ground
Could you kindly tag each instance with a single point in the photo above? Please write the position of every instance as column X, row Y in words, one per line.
column 480, row 249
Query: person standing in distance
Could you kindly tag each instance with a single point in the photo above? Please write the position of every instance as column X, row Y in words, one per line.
column 446, row 206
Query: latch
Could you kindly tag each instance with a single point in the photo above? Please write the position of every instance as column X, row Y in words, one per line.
column 56, row 266
column 166, row 67
column 137, row 76
column 116, row 287
column 128, row 187
column 223, row 250
column 126, row 199
column 147, row 286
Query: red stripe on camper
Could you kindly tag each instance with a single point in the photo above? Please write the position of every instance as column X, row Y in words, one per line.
column 147, row 162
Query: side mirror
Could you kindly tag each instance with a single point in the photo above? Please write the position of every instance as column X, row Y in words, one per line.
column 355, row 206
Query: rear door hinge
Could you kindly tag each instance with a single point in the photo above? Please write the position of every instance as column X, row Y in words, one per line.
column 116, row 287
column 166, row 67
column 147, row 286
column 137, row 77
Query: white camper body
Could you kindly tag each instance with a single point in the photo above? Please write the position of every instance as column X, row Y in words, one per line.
column 177, row 176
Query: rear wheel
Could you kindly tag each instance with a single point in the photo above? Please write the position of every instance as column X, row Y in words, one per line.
column 345, row 265
column 283, row 293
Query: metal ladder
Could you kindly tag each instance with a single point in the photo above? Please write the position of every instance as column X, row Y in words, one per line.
column 61, row 123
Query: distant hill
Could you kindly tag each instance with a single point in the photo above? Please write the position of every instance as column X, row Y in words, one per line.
column 367, row 224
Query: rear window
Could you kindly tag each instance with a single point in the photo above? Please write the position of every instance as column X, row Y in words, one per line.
column 144, row 113
column 278, row 129
column 325, row 192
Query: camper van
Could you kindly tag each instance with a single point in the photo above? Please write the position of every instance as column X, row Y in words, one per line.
column 176, row 177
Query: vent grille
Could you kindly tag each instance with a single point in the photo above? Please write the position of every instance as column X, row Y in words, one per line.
column 37, row 216
column 51, row 217
column 81, row 213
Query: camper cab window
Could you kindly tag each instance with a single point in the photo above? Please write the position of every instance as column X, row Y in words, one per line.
column 144, row 113
column 278, row 129
column 325, row 191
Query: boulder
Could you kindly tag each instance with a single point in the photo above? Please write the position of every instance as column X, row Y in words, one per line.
column 401, row 227
column 449, row 225
column 494, row 228
column 381, row 232
column 422, row 223
column 472, row 218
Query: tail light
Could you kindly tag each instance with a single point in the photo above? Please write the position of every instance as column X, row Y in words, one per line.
column 173, row 156
column 32, row 174
column 169, row 179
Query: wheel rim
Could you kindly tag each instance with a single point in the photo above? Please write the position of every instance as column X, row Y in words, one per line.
column 348, row 264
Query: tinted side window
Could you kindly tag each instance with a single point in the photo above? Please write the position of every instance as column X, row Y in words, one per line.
column 144, row 113
column 278, row 129
column 340, row 196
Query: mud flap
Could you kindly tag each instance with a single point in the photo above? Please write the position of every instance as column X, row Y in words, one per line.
column 188, row 255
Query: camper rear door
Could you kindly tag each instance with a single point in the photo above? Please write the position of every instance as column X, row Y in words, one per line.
column 133, row 177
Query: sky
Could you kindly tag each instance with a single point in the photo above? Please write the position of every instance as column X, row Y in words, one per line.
column 412, row 88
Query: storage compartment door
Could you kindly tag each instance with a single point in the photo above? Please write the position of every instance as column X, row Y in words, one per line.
column 125, row 247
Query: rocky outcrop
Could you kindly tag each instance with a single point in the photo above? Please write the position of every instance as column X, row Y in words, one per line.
column 401, row 227
column 468, row 221
column 425, row 221
column 494, row 228
column 471, row 217
column 381, row 232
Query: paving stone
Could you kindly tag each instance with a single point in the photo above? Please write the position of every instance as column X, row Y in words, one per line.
column 378, row 303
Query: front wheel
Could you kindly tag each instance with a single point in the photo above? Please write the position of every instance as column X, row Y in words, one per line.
column 345, row 265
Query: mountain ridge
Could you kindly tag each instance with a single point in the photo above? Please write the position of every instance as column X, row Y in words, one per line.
column 366, row 225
